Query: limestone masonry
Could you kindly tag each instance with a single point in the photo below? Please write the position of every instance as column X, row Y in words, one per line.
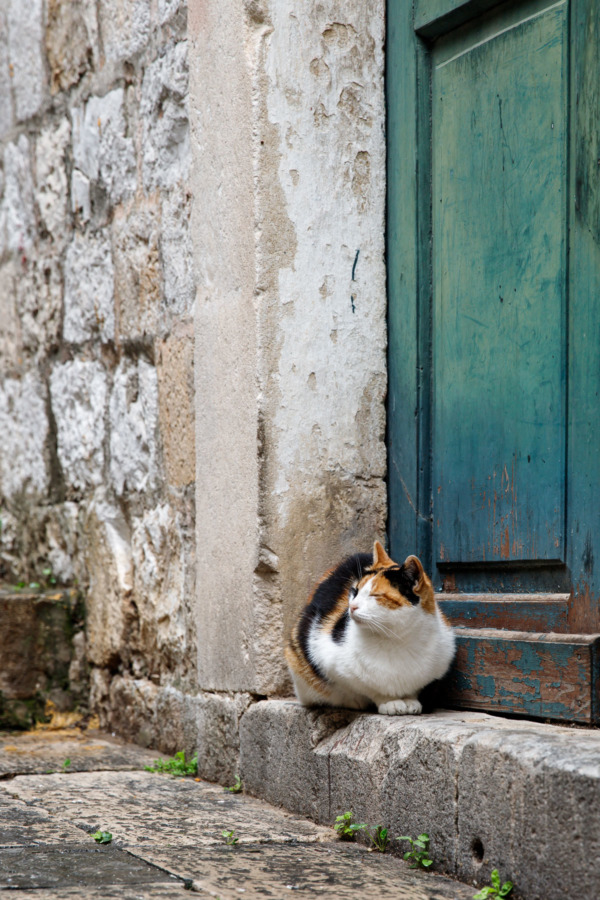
column 96, row 339
column 192, row 335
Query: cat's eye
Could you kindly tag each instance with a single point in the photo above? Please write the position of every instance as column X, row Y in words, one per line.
column 352, row 592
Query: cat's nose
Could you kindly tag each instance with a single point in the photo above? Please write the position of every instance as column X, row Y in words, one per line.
column 353, row 607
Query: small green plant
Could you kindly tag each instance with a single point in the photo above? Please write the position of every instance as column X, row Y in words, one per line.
column 495, row 889
column 419, row 854
column 230, row 838
column 236, row 787
column 48, row 581
column 66, row 764
column 49, row 576
column 379, row 838
column 176, row 766
column 346, row 827
column 102, row 837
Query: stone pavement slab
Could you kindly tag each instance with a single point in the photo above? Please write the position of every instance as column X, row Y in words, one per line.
column 141, row 808
column 55, row 866
column 22, row 824
column 314, row 870
column 89, row 750
column 167, row 839
column 176, row 889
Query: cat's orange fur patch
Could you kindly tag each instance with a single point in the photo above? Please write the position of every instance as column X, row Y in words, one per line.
column 427, row 596
column 329, row 621
column 301, row 667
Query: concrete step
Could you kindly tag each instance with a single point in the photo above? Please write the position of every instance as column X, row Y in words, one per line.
column 167, row 836
column 523, row 797
column 41, row 634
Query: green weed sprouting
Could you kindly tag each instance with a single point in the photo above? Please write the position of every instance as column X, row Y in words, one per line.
column 175, row 766
column 236, row 787
column 495, row 889
column 419, row 854
column 230, row 838
column 102, row 837
column 379, row 838
column 345, row 826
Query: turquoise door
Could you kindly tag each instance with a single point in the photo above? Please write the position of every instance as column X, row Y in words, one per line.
column 494, row 284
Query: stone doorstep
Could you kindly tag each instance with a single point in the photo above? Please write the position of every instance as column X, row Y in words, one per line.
column 523, row 797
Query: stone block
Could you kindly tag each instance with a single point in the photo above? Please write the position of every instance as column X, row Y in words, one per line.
column 125, row 27
column 26, row 36
column 176, row 406
column 78, row 392
column 102, row 151
column 136, row 254
column 169, row 9
column 10, row 326
column 522, row 797
column 71, row 41
column 163, row 617
column 134, row 421
column 17, row 212
column 6, row 99
column 23, row 432
column 52, row 186
column 280, row 758
column 529, row 804
column 176, row 255
column 164, row 114
column 132, row 709
column 110, row 572
column 39, row 295
column 218, row 735
column 89, row 289
column 36, row 649
column 176, row 722
column 401, row 774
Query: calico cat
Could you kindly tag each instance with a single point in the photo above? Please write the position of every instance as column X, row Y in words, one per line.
column 371, row 632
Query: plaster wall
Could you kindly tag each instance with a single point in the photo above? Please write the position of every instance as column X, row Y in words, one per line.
column 288, row 153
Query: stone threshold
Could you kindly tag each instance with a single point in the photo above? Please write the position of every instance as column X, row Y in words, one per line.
column 520, row 796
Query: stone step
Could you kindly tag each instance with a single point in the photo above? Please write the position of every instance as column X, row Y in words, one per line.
column 41, row 653
column 522, row 797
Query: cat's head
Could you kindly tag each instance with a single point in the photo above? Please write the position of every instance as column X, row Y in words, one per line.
column 390, row 595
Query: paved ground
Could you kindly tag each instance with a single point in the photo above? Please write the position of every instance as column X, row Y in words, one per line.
column 58, row 787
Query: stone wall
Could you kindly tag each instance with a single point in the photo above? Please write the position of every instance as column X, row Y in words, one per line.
column 97, row 289
column 132, row 316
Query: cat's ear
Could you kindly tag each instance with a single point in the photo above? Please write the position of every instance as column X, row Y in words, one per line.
column 380, row 557
column 415, row 571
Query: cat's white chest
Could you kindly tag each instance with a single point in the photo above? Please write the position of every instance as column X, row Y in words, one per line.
column 376, row 666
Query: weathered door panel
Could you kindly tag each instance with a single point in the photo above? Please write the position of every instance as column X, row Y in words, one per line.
column 499, row 165
column 544, row 675
column 494, row 359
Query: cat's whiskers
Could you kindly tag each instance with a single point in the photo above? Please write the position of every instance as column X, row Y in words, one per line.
column 383, row 629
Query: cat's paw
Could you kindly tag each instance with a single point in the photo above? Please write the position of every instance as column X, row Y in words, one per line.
column 400, row 708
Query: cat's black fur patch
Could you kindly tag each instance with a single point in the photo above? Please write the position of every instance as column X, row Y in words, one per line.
column 398, row 577
column 326, row 597
column 339, row 629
